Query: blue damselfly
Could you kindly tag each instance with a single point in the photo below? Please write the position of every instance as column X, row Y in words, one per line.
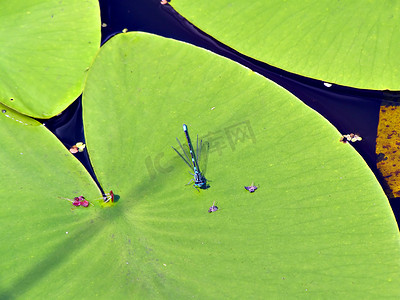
column 199, row 180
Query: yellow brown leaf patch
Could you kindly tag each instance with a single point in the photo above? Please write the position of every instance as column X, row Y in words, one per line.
column 388, row 147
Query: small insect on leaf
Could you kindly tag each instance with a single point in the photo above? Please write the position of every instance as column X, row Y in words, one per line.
column 252, row 188
column 213, row 208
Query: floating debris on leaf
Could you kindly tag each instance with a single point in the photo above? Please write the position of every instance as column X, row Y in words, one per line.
column 84, row 203
column 78, row 201
column 252, row 188
column 352, row 137
column 213, row 208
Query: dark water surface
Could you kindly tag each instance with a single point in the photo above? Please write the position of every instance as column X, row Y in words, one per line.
column 349, row 110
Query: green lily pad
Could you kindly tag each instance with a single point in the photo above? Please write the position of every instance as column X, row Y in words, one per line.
column 46, row 49
column 318, row 224
column 39, row 231
column 345, row 42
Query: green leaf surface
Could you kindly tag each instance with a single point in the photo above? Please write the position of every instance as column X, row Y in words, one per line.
column 36, row 170
column 351, row 43
column 46, row 49
column 319, row 223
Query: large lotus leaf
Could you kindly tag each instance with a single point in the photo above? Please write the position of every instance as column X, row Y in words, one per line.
column 39, row 233
column 318, row 224
column 46, row 49
column 352, row 43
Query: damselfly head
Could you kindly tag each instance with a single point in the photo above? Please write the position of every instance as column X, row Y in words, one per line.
column 202, row 184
